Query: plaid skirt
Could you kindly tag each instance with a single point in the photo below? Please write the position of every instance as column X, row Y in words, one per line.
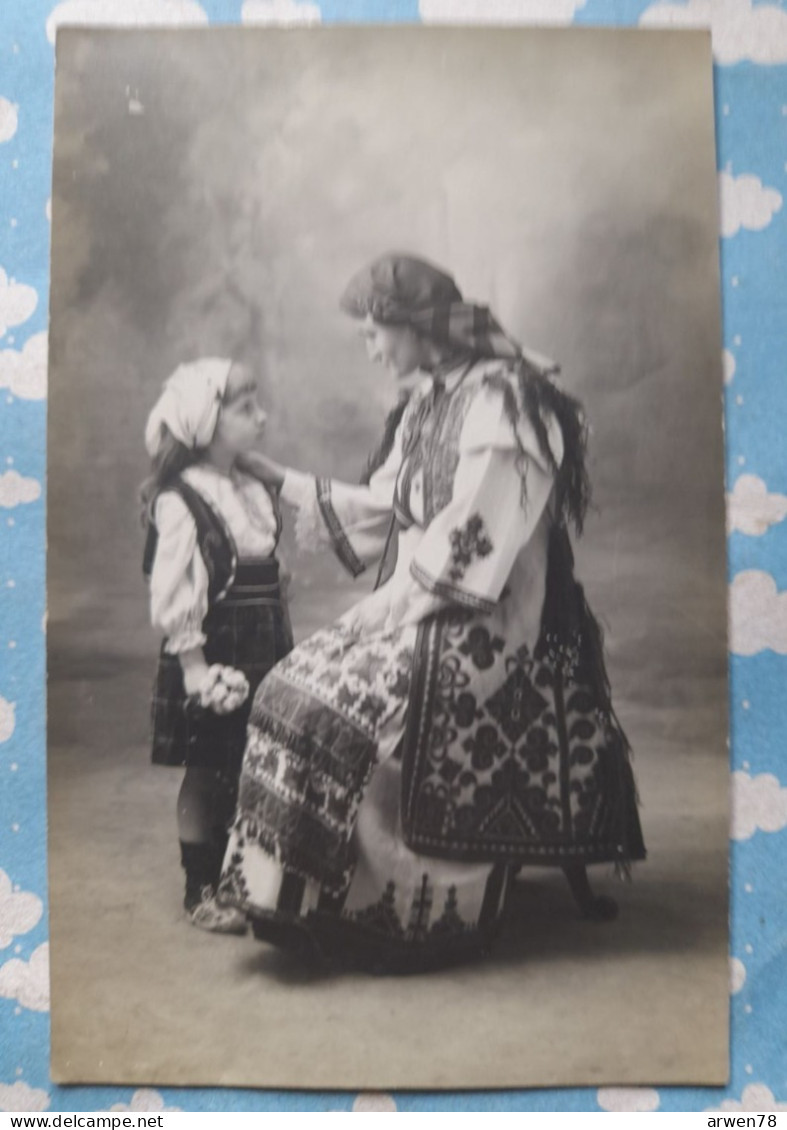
column 249, row 630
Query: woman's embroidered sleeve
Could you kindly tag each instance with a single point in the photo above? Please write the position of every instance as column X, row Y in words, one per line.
column 354, row 520
column 179, row 579
column 501, row 488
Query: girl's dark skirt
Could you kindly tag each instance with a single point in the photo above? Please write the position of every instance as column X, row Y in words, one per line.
column 249, row 630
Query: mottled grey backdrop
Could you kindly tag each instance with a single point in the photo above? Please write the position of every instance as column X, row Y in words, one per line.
column 214, row 191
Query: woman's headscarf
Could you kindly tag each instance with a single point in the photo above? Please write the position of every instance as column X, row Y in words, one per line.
column 189, row 404
column 404, row 290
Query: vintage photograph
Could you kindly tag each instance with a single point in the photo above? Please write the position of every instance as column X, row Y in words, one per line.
column 387, row 710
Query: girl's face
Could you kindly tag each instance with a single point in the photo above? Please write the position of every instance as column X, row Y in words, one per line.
column 241, row 420
column 398, row 348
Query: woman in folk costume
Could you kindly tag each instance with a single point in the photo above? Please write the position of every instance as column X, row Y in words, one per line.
column 215, row 596
column 456, row 724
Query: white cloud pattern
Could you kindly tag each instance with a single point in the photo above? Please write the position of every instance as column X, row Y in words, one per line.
column 728, row 360
column 759, row 804
column 758, row 614
column 628, row 1099
column 374, row 1102
column 746, row 203
column 742, row 31
column 737, row 975
column 19, row 1097
column 145, row 1099
column 23, row 372
column 119, row 13
column 499, row 11
column 27, row 981
column 9, row 119
column 756, row 1097
column 7, row 719
column 751, row 509
column 20, row 911
column 15, row 490
column 17, row 302
column 280, row 12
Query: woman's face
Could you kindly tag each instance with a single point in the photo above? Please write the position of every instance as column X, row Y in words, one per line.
column 398, row 348
column 241, row 420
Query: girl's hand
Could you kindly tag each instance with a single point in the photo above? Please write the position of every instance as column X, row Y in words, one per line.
column 261, row 467
column 194, row 678
column 195, row 670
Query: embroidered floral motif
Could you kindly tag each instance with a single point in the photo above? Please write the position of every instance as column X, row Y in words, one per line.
column 383, row 918
column 346, row 697
column 485, row 747
column 516, row 705
column 400, row 687
column 481, row 647
column 472, row 541
column 372, row 707
column 518, row 766
column 233, row 887
column 465, row 710
column 420, row 911
column 450, row 921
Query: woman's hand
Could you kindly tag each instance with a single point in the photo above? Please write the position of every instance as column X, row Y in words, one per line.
column 369, row 615
column 411, row 604
column 267, row 470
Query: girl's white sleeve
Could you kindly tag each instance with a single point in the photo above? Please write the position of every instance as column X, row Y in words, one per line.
column 353, row 520
column 179, row 579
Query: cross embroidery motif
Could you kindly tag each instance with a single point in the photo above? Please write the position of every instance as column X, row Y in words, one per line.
column 472, row 541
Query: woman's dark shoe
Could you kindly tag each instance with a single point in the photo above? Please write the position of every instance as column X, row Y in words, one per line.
column 596, row 908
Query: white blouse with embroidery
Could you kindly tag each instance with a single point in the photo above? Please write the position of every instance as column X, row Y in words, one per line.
column 466, row 554
column 179, row 579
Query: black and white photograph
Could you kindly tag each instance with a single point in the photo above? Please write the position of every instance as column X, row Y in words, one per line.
column 387, row 651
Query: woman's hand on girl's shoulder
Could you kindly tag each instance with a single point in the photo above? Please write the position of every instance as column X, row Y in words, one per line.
column 261, row 467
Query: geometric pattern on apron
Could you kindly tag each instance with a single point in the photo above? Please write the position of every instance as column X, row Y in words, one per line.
column 509, row 756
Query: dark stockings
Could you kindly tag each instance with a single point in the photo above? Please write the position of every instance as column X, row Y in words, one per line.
column 204, row 810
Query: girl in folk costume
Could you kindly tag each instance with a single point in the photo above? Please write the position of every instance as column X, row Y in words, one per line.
column 404, row 762
column 215, row 595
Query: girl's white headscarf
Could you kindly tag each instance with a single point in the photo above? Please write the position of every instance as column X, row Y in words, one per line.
column 189, row 404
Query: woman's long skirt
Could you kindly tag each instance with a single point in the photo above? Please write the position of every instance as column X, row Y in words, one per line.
column 392, row 783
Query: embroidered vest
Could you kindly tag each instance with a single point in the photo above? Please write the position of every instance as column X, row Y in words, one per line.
column 431, row 445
